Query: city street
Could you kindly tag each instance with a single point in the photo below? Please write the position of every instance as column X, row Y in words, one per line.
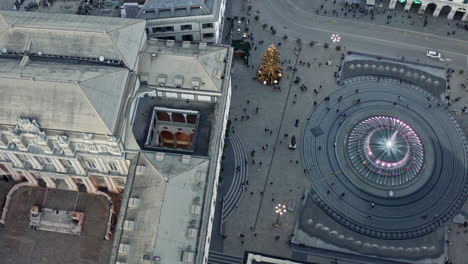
column 294, row 19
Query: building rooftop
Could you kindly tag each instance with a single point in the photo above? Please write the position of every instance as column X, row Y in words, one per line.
column 69, row 97
column 72, row 35
column 192, row 62
column 170, row 189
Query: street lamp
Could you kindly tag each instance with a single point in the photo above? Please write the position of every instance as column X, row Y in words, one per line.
column 280, row 209
column 335, row 38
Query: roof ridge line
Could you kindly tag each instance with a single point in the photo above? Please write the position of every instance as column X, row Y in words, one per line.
column 152, row 165
column 189, row 168
column 98, row 76
column 209, row 74
column 132, row 24
column 116, row 48
column 94, row 109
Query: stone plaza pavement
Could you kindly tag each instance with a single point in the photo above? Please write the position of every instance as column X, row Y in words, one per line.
column 21, row 245
column 280, row 177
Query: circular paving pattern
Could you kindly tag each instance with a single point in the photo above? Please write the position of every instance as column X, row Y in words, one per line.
column 386, row 159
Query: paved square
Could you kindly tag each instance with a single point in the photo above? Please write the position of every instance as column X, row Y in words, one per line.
column 19, row 244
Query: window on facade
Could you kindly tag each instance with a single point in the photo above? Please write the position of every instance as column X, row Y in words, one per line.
column 112, row 166
column 187, row 37
column 78, row 180
column 79, row 146
column 98, row 180
column 186, row 27
column 44, row 160
column 3, row 168
column 90, row 148
column 120, row 182
column 90, row 164
column 168, row 37
column 208, row 35
column 207, row 25
column 162, row 29
column 103, row 149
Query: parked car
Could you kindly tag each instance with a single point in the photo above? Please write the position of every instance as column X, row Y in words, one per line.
column 292, row 143
column 433, row 54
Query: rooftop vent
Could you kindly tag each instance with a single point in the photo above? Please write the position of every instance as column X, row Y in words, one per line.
column 179, row 80
column 195, row 209
column 152, row 41
column 133, row 202
column 196, row 83
column 124, row 249
column 162, row 79
column 202, row 46
column 186, row 159
column 188, row 256
column 129, row 225
column 141, row 169
column 160, row 156
column 192, row 232
column 186, row 44
column 170, row 42
column 217, row 73
column 194, row 223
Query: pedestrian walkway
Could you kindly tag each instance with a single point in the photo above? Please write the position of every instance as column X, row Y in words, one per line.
column 221, row 258
column 238, row 184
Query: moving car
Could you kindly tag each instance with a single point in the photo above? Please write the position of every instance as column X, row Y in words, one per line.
column 433, row 54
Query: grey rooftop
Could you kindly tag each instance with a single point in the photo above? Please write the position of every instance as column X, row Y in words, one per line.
column 72, row 35
column 68, row 97
column 172, row 59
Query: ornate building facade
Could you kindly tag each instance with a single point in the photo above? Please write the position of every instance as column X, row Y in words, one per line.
column 58, row 159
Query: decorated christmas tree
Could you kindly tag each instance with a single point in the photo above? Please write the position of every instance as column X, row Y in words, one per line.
column 270, row 72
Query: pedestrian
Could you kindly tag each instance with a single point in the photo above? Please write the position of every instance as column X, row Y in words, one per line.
column 253, row 162
column 248, row 101
column 256, row 110
column 277, row 237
